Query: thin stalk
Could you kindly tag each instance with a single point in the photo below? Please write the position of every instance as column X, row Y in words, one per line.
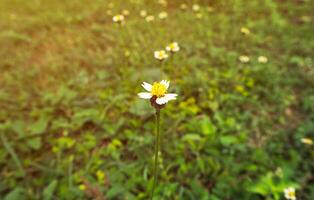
column 157, row 142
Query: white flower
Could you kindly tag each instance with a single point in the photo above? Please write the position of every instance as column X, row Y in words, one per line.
column 262, row 59
column 150, row 18
column 245, row 31
column 196, row 7
column 160, row 55
column 118, row 18
column 183, row 6
column 126, row 12
column 307, row 141
column 157, row 92
column 244, row 59
column 163, row 15
column 143, row 13
column 199, row 15
column 173, row 47
column 163, row 2
column 290, row 193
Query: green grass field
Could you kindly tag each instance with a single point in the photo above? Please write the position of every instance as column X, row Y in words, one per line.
column 73, row 128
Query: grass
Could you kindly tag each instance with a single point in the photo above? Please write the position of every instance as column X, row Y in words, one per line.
column 71, row 119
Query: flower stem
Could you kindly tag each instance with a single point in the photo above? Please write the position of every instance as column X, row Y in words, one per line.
column 157, row 141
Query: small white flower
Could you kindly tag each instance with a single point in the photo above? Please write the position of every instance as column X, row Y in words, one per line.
column 173, row 47
column 196, row 7
column 245, row 31
column 163, row 2
column 118, row 18
column 183, row 6
column 199, row 15
column 262, row 59
column 157, row 92
column 160, row 55
column 163, row 15
column 290, row 193
column 126, row 12
column 150, row 18
column 244, row 59
column 143, row 13
column 307, row 141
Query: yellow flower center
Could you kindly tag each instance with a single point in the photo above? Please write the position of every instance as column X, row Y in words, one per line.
column 291, row 194
column 162, row 54
column 158, row 90
column 172, row 46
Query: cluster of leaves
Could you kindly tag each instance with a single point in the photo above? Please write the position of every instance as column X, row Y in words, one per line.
column 72, row 127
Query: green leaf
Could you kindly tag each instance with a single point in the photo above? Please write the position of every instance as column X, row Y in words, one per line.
column 115, row 191
column 34, row 143
column 39, row 126
column 16, row 194
column 49, row 190
column 228, row 140
column 207, row 127
column 191, row 137
column 19, row 127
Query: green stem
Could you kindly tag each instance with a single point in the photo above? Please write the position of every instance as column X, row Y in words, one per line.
column 157, row 141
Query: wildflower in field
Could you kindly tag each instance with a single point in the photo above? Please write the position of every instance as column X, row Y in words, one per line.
column 160, row 55
column 157, row 93
column 163, row 2
column 290, row 193
column 163, row 15
column 262, row 59
column 183, row 6
column 150, row 18
column 173, row 47
column 158, row 96
column 307, row 141
column 126, row 12
column 199, row 15
column 196, row 7
column 244, row 59
column 245, row 31
column 118, row 19
column 143, row 13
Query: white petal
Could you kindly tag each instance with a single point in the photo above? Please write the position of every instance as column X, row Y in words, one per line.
column 161, row 100
column 171, row 96
column 145, row 95
column 147, row 86
column 165, row 83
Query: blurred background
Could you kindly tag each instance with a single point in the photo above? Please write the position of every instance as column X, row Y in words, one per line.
column 72, row 126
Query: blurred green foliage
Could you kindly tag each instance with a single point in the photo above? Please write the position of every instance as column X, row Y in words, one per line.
column 72, row 126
